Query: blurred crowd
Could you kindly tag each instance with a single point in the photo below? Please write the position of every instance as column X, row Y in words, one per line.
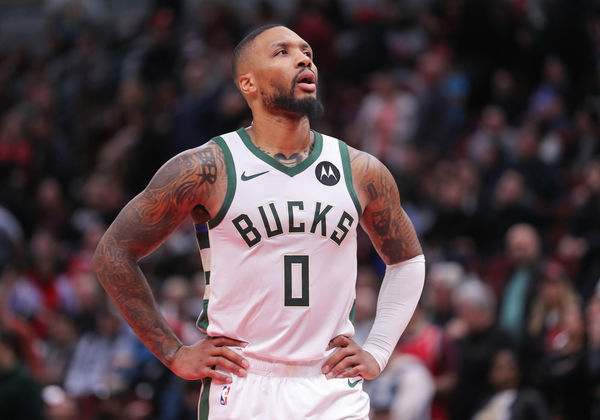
column 487, row 112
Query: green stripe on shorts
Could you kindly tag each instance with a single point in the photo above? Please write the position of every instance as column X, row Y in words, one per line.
column 203, row 406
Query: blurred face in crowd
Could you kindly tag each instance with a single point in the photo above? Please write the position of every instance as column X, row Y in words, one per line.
column 366, row 303
column 476, row 317
column 592, row 177
column 6, row 357
column 493, row 119
column 432, row 66
column 442, row 295
column 278, row 67
column 62, row 330
column 108, row 324
column 195, row 75
column 504, row 373
column 510, row 189
column 522, row 243
column 555, row 71
column 553, row 285
column 527, row 144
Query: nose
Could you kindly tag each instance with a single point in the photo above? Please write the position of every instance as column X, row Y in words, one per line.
column 303, row 60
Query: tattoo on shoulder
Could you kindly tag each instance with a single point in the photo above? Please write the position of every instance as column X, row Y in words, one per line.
column 176, row 188
column 372, row 191
column 208, row 167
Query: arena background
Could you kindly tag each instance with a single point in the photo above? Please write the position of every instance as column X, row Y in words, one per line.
column 485, row 111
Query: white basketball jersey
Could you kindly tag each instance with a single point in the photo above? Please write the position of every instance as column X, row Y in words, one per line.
column 280, row 256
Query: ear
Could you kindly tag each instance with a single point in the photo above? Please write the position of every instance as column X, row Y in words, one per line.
column 246, row 83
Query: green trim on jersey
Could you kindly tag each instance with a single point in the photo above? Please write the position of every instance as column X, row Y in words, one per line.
column 348, row 176
column 203, row 405
column 202, row 321
column 231, row 183
column 288, row 170
column 353, row 312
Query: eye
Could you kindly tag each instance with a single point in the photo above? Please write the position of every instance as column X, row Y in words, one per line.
column 281, row 52
column 308, row 53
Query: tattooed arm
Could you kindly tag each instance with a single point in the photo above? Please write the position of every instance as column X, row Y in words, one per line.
column 384, row 220
column 394, row 237
column 190, row 183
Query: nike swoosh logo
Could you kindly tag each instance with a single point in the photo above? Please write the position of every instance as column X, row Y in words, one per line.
column 353, row 384
column 249, row 177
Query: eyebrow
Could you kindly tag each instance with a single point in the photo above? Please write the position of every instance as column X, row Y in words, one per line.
column 287, row 44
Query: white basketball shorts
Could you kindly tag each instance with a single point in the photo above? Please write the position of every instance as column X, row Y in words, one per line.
column 284, row 391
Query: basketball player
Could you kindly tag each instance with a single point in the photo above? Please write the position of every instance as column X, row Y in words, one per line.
column 276, row 206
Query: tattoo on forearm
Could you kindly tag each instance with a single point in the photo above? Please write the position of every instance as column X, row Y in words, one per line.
column 390, row 228
column 125, row 284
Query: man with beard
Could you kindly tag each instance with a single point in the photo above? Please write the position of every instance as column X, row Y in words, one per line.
column 276, row 206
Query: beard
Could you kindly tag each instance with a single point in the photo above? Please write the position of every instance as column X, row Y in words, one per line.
column 286, row 101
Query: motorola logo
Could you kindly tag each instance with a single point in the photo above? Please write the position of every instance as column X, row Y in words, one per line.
column 327, row 173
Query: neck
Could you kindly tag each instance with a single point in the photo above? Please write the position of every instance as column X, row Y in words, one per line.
column 281, row 134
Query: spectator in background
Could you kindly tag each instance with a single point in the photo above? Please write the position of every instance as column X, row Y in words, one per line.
column 510, row 204
column 174, row 292
column 58, row 348
column 366, row 302
column 51, row 210
column 103, row 360
column 386, row 120
column 586, row 142
column 491, row 146
column 433, row 103
column 443, row 279
column 453, row 186
column 506, row 95
column 404, row 391
column 14, row 323
column 552, row 91
column 160, row 55
column 562, row 371
column 58, row 405
column 12, row 239
column 478, row 339
column 20, row 394
column 554, row 299
column 197, row 113
column 581, row 245
column 592, row 315
column 520, row 283
column 432, row 347
column 540, row 177
column 16, row 162
column 555, row 352
column 509, row 401
column 54, row 154
column 16, row 148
